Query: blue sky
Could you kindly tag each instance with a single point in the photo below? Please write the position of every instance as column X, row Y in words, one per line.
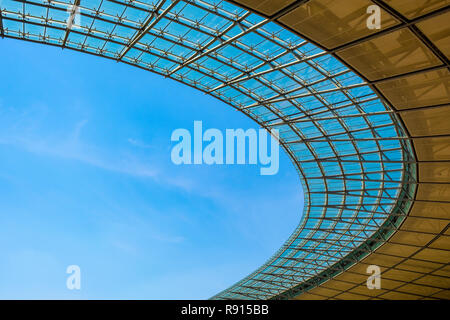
column 86, row 179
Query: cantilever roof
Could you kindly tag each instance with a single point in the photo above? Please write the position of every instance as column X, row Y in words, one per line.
column 341, row 96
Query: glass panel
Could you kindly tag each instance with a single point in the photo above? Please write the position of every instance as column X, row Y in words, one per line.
column 434, row 172
column 420, row 90
column 348, row 146
column 392, row 54
column 427, row 122
column 333, row 23
column 416, row 8
column 268, row 7
column 432, row 149
column 433, row 192
column 437, row 30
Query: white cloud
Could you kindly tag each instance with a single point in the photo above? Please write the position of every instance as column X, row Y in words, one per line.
column 139, row 144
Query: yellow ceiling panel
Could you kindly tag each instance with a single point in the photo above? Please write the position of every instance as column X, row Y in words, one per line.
column 444, row 271
column 433, row 255
column 418, row 289
column 416, row 8
column 324, row 292
column 361, row 268
column 338, row 285
column 419, row 266
column 351, row 296
column 332, row 23
column 267, row 7
column 363, row 290
column 435, row 281
column 431, row 210
column 424, row 225
column 308, row 296
column 443, row 294
column 352, row 277
column 437, row 30
column 398, row 296
column 381, row 260
column 390, row 284
column 419, row 90
column 412, row 238
column 443, row 242
column 433, row 192
column 389, row 55
column 434, row 171
column 432, row 149
column 401, row 275
column 399, row 250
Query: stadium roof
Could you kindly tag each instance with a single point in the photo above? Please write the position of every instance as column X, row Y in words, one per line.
column 364, row 115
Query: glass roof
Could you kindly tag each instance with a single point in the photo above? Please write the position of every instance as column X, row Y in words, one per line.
column 348, row 146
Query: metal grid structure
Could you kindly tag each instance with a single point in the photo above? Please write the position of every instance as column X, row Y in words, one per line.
column 352, row 152
column 406, row 61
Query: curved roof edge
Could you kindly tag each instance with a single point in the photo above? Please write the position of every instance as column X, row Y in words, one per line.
column 414, row 260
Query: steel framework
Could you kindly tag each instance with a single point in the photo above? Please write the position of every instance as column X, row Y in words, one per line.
column 351, row 150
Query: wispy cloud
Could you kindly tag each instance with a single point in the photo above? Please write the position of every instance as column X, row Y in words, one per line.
column 139, row 143
column 25, row 132
column 71, row 146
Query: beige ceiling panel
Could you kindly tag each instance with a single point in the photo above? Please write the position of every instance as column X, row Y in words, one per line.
column 389, row 55
column 437, row 29
column 419, row 90
column 434, row 255
column 432, row 149
column 416, row 8
column 424, row 225
column 433, row 192
column 332, row 23
column 434, row 171
column 430, row 209
column 267, row 7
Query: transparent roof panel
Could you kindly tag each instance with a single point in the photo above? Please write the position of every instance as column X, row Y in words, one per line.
column 347, row 145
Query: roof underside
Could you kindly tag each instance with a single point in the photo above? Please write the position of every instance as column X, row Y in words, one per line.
column 364, row 115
